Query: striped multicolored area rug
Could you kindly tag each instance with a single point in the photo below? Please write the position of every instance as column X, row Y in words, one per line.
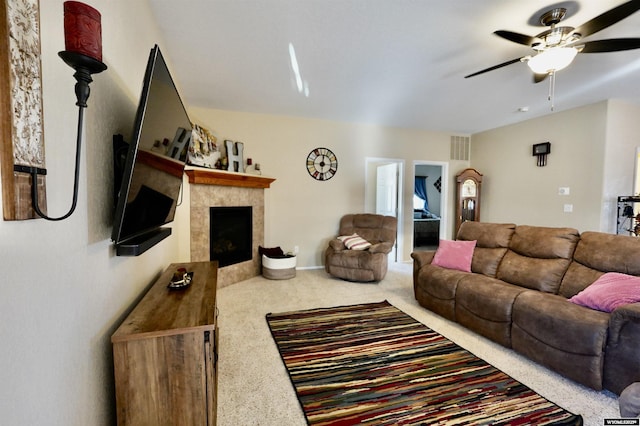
column 374, row 364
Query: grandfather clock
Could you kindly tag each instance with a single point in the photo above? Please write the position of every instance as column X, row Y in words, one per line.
column 468, row 185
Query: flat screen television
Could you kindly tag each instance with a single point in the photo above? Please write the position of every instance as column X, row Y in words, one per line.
column 150, row 176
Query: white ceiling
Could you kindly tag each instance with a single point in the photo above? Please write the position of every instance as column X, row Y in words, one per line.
column 390, row 62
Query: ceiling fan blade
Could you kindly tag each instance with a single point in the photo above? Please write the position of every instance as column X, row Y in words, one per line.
column 517, row 37
column 611, row 45
column 495, row 67
column 537, row 78
column 608, row 18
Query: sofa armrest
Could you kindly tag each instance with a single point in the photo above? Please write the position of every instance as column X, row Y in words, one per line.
column 337, row 245
column 383, row 247
column 621, row 317
column 422, row 258
column 621, row 362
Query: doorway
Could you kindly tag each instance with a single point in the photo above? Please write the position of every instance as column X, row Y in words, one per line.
column 383, row 194
column 636, row 184
column 429, row 203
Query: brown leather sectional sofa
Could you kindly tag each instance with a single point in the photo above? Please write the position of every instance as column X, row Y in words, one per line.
column 517, row 295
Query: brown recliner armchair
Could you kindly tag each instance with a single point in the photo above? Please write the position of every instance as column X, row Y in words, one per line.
column 365, row 265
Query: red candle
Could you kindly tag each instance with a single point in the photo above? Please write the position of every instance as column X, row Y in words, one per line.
column 82, row 29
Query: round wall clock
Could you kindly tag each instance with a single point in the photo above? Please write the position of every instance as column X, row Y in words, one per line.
column 322, row 164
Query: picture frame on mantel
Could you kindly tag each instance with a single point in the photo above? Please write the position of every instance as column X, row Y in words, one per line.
column 21, row 126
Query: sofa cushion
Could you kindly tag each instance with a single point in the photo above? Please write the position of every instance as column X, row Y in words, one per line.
column 565, row 337
column 492, row 240
column 533, row 273
column 596, row 253
column 538, row 257
column 484, row 305
column 373, row 228
column 489, row 235
column 577, row 278
column 544, row 243
column 542, row 315
column 609, row 252
column 353, row 274
column 486, row 260
column 435, row 289
column 440, row 282
column 609, row 291
column 454, row 255
column 356, row 265
column 354, row 259
column 384, row 247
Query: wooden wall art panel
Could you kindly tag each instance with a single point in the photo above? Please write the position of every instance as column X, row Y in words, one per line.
column 21, row 127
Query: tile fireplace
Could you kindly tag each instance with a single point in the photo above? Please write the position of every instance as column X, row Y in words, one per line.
column 214, row 189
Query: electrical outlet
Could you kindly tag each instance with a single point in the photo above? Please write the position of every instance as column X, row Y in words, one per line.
column 564, row 190
column 296, row 249
column 568, row 208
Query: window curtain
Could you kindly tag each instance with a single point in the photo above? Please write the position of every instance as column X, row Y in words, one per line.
column 421, row 191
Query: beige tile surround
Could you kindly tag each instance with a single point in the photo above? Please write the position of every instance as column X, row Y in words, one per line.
column 205, row 195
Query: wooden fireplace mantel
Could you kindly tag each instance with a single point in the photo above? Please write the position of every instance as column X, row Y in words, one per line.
column 224, row 178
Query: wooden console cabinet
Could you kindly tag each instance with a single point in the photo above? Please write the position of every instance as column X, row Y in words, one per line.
column 165, row 353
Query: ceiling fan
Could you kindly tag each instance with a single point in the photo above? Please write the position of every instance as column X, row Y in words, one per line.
column 555, row 48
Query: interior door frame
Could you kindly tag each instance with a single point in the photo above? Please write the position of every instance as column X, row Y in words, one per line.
column 636, row 174
column 368, row 202
column 444, row 194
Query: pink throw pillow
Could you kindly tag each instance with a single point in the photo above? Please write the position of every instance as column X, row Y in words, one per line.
column 454, row 255
column 609, row 291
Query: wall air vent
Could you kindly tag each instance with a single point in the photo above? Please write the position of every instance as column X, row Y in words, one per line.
column 460, row 146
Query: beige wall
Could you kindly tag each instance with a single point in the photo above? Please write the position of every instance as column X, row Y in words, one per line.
column 63, row 289
column 301, row 211
column 592, row 152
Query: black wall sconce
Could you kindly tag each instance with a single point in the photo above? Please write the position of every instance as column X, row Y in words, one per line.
column 541, row 150
column 83, row 52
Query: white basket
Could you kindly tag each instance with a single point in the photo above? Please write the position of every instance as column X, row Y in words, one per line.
column 278, row 268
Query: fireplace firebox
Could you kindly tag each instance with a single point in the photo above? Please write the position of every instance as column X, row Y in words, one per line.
column 231, row 234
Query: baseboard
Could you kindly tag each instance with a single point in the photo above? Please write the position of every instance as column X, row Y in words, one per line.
column 304, row 268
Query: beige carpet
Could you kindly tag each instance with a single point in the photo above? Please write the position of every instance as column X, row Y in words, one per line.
column 254, row 388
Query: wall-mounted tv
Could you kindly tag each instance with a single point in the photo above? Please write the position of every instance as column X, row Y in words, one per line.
column 151, row 175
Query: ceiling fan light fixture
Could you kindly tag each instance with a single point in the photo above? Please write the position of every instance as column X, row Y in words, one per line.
column 553, row 59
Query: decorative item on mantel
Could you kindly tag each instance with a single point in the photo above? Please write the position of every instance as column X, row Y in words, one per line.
column 83, row 44
column 203, row 149
column 235, row 156
column 252, row 169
